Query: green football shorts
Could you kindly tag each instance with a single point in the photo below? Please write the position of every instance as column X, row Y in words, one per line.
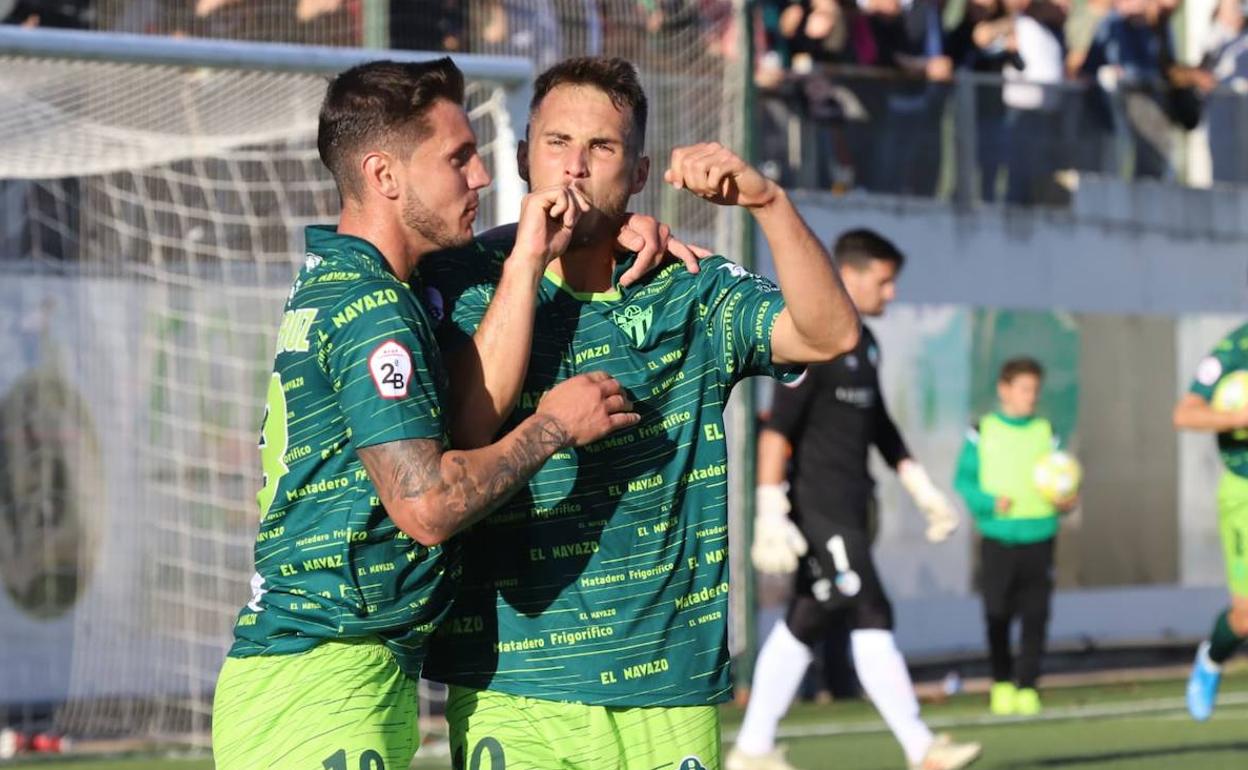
column 1233, row 526
column 339, row 706
column 496, row 731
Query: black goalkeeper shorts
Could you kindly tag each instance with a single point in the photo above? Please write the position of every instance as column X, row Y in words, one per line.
column 838, row 574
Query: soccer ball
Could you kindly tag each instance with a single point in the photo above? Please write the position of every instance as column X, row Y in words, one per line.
column 1057, row 476
column 1231, row 395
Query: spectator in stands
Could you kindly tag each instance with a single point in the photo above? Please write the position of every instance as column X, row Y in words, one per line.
column 1125, row 60
column 817, row 34
column 429, row 25
column 1032, row 100
column 1083, row 114
column 66, row 14
column 1182, row 84
column 778, row 103
column 981, row 43
column 529, row 29
column 1081, row 26
column 1226, row 58
column 909, row 36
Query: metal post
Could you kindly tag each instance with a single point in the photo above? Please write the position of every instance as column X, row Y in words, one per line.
column 964, row 128
column 375, row 15
column 746, row 403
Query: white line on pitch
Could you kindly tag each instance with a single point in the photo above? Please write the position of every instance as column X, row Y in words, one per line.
column 1134, row 708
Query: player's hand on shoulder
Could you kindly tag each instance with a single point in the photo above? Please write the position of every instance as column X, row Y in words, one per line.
column 715, row 173
column 588, row 407
column 653, row 243
column 547, row 218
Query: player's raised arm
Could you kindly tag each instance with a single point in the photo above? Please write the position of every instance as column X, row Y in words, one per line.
column 819, row 321
column 487, row 373
column 431, row 494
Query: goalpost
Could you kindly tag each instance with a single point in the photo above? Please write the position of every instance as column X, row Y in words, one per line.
column 153, row 194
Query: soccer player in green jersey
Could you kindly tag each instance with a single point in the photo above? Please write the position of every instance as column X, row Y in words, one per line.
column 354, row 568
column 1195, row 412
column 591, row 628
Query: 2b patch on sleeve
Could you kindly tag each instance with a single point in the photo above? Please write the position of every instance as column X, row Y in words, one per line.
column 1208, row 371
column 390, row 365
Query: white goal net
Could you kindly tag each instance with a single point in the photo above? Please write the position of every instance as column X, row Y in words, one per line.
column 151, row 219
column 153, row 194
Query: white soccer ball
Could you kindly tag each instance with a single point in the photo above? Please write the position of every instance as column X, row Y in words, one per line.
column 1057, row 476
column 1231, row 395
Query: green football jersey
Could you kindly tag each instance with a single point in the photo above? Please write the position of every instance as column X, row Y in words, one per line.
column 357, row 364
column 1230, row 355
column 605, row 580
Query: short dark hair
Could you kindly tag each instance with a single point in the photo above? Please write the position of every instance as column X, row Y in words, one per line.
column 859, row 248
column 385, row 103
column 615, row 77
column 1020, row 365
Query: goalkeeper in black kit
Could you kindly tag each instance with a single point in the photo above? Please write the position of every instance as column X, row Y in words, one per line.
column 827, row 421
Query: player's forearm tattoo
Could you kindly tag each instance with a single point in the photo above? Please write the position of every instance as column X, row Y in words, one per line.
column 466, row 488
column 486, row 488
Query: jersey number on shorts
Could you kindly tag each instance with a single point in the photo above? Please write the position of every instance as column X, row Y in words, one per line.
column 369, row 760
column 273, row 441
column 487, row 744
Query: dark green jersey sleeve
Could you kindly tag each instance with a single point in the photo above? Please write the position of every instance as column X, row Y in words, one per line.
column 465, row 314
column 1227, row 356
column 374, row 349
column 741, row 312
column 464, row 280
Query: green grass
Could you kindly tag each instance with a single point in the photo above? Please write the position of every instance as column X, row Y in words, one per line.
column 1141, row 727
column 1136, row 727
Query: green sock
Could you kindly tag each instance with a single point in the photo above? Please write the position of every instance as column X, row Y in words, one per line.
column 1223, row 642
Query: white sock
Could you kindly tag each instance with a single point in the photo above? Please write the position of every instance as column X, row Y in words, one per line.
column 778, row 672
column 883, row 675
column 1206, row 662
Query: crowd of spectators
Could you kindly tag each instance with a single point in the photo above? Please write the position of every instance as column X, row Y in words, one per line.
column 1046, row 87
column 542, row 30
column 1034, row 89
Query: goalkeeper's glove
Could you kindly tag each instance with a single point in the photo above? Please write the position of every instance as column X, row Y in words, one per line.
column 942, row 519
column 778, row 543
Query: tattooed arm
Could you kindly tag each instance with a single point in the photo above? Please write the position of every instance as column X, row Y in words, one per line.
column 432, row 494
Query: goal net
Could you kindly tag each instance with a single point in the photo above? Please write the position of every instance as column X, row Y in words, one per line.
column 153, row 194
column 151, row 220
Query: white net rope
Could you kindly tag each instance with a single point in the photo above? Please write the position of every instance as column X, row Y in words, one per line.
column 151, row 219
column 150, row 222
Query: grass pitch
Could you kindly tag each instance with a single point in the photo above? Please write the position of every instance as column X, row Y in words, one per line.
column 1130, row 726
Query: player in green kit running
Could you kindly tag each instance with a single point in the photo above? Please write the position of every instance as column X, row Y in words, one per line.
column 1195, row 412
column 591, row 628
column 354, row 568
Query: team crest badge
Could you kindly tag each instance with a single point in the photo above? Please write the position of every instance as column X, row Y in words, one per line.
column 691, row 763
column 635, row 322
